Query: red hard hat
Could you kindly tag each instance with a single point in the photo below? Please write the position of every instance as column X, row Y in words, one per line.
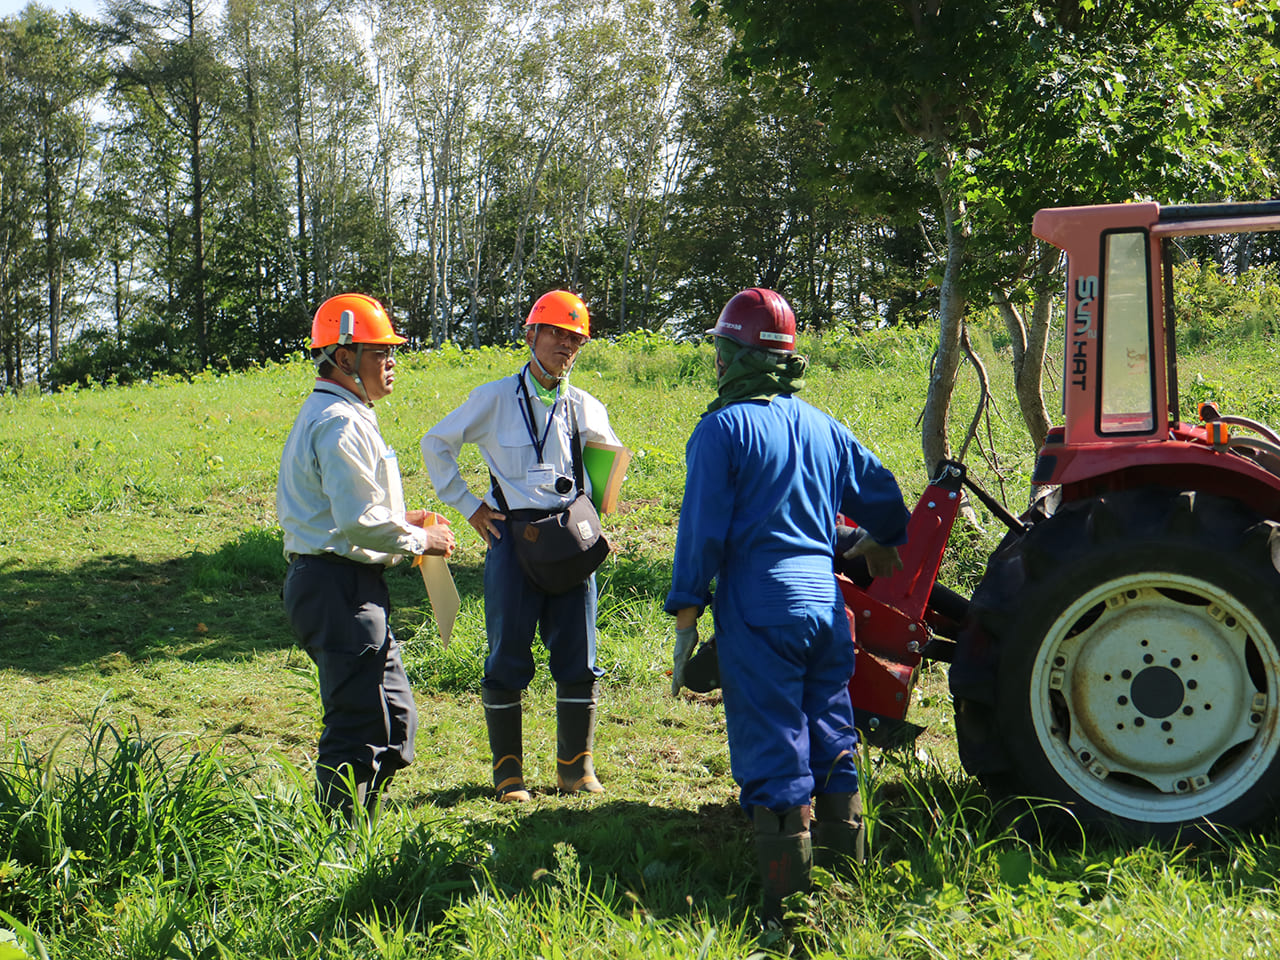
column 758, row 318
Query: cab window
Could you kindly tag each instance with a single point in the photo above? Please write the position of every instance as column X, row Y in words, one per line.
column 1127, row 384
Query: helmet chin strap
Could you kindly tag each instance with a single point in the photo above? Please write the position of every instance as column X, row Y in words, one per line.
column 533, row 354
column 543, row 370
column 355, row 375
column 329, row 355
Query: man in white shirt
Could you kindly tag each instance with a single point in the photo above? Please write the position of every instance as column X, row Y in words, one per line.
column 524, row 426
column 340, row 502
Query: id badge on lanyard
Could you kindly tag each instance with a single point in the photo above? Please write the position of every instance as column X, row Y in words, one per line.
column 541, row 474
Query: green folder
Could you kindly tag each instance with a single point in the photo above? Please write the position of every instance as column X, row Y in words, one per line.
column 606, row 465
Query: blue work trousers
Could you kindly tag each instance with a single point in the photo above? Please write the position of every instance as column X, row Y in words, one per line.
column 786, row 706
column 514, row 609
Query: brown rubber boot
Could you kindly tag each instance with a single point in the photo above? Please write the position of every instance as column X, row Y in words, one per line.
column 784, row 852
column 575, row 736
column 839, row 837
column 502, row 717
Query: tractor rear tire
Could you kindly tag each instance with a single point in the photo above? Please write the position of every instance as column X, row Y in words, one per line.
column 1121, row 660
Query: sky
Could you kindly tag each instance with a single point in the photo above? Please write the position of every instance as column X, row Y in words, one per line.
column 90, row 8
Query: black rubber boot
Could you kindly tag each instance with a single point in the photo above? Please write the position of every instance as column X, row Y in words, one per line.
column 502, row 717
column 839, row 837
column 344, row 788
column 575, row 737
column 784, row 852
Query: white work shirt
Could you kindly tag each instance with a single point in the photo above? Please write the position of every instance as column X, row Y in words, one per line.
column 494, row 418
column 339, row 489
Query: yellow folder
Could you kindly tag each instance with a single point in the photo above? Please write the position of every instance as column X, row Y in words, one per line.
column 441, row 590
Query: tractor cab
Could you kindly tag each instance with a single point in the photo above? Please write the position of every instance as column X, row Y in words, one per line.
column 1119, row 661
column 1121, row 423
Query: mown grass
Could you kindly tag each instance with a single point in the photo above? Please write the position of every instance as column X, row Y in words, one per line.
column 159, row 724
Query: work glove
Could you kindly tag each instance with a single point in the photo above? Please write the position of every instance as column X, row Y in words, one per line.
column 686, row 640
column 882, row 561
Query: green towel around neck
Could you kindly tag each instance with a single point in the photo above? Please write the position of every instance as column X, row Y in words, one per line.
column 752, row 374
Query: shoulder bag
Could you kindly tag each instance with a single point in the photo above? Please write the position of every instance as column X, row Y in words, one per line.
column 559, row 550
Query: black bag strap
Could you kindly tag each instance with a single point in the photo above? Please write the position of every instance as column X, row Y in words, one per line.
column 575, row 445
column 497, row 494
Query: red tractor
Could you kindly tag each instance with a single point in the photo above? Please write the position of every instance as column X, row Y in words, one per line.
column 1121, row 656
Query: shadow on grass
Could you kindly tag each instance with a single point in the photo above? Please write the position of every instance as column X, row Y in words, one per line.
column 452, row 797
column 112, row 609
column 636, row 575
column 675, row 863
column 672, row 860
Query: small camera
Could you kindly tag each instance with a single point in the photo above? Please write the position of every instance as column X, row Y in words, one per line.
column 563, row 485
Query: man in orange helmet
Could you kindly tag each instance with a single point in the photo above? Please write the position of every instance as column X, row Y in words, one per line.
column 340, row 502
column 529, row 428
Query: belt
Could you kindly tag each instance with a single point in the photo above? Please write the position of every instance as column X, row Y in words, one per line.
column 531, row 514
column 334, row 558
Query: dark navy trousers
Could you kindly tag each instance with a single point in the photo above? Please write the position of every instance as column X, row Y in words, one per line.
column 338, row 610
column 514, row 609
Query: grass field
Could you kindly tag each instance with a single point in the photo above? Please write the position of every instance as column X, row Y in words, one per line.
column 158, row 723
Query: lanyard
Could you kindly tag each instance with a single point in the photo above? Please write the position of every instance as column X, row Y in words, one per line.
column 527, row 412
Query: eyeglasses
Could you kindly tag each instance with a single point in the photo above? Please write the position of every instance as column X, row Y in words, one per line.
column 574, row 340
column 381, row 354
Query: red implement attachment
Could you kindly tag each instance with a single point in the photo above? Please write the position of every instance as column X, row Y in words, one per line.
column 889, row 617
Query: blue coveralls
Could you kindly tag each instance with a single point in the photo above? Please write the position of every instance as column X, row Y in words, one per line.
column 765, row 480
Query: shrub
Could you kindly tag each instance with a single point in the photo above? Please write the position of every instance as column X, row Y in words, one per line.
column 1212, row 307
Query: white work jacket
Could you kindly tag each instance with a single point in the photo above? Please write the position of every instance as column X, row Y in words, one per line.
column 339, row 489
column 495, row 417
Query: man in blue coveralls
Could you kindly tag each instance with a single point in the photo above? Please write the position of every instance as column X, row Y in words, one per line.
column 766, row 475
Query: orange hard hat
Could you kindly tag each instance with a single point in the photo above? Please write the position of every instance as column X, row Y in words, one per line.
column 352, row 318
column 560, row 308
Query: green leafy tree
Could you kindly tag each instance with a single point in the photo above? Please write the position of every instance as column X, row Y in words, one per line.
column 51, row 77
column 167, row 51
column 1010, row 106
column 19, row 190
column 143, row 199
column 257, row 310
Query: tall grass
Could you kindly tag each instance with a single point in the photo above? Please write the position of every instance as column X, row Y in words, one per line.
column 185, row 851
column 144, row 848
column 159, row 723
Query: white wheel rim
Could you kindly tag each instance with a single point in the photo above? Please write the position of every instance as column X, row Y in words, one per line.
column 1162, row 707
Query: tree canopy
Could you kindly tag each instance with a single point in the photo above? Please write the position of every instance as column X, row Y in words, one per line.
column 1012, row 106
column 182, row 182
